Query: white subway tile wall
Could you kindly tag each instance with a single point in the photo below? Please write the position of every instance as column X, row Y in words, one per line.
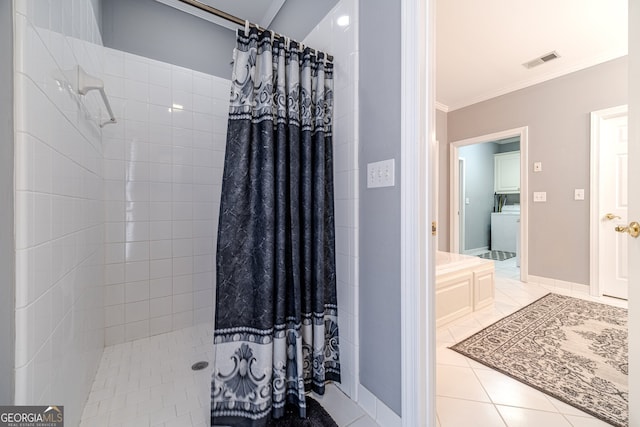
column 59, row 210
column 163, row 174
column 341, row 41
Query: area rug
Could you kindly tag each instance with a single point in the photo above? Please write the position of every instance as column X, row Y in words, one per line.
column 568, row 348
column 316, row 417
column 497, row 255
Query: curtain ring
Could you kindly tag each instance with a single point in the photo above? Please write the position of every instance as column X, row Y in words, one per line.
column 246, row 27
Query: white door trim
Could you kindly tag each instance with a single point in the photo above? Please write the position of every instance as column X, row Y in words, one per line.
column 597, row 117
column 416, row 280
column 462, row 172
column 454, row 231
column 634, row 212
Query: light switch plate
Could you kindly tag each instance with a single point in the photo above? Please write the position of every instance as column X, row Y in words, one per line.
column 539, row 196
column 537, row 167
column 381, row 174
column 579, row 194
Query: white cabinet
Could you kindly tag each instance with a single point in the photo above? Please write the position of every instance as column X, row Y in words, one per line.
column 507, row 172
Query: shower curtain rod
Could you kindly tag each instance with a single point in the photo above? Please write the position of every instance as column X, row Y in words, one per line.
column 231, row 18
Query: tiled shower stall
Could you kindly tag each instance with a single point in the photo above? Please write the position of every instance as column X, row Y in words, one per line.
column 115, row 226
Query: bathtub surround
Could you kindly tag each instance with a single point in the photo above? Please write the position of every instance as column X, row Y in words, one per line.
column 58, row 207
column 163, row 169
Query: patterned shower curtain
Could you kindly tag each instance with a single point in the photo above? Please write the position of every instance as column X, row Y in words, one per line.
column 276, row 330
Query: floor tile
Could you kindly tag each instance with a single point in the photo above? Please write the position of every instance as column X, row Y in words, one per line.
column 566, row 409
column 585, row 422
column 506, row 391
column 459, row 382
column 462, row 413
column 521, row 417
column 446, row 356
column 363, row 421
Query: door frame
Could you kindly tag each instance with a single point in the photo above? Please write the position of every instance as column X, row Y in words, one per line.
column 634, row 211
column 462, row 188
column 417, row 243
column 597, row 117
column 454, row 220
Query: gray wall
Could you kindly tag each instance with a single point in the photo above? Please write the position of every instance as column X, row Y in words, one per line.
column 7, row 257
column 379, row 101
column 479, row 190
column 557, row 113
column 157, row 31
column 443, row 181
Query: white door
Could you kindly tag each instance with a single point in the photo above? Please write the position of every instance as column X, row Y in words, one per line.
column 613, row 203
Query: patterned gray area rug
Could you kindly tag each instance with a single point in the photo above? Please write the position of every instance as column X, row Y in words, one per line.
column 568, row 348
column 497, row 255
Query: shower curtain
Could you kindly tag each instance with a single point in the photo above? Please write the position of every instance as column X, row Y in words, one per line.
column 276, row 330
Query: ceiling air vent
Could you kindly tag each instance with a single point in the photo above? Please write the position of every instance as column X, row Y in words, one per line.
column 542, row 59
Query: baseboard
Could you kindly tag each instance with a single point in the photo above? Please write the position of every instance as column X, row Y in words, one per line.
column 376, row 409
column 558, row 284
column 477, row 251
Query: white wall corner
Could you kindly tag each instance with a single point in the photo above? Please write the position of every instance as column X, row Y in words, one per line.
column 440, row 106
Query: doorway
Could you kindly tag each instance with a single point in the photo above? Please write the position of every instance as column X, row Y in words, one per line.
column 418, row 390
column 458, row 204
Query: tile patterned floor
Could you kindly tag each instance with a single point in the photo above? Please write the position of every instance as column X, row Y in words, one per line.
column 470, row 394
column 149, row 383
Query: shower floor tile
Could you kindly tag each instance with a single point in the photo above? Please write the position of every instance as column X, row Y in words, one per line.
column 149, row 383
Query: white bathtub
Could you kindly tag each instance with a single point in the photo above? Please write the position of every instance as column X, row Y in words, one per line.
column 463, row 284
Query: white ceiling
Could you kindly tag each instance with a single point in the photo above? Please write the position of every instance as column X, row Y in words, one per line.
column 481, row 45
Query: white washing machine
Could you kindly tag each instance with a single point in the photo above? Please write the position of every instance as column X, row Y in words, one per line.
column 505, row 229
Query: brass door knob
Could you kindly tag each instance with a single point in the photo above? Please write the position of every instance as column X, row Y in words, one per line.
column 611, row 216
column 633, row 229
